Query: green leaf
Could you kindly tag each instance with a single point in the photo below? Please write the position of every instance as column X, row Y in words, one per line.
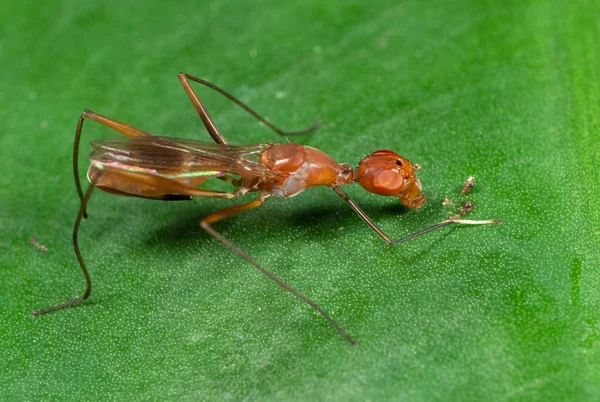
column 505, row 91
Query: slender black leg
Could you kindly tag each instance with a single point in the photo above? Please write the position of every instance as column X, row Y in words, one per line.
column 206, row 224
column 365, row 218
column 209, row 123
column 86, row 274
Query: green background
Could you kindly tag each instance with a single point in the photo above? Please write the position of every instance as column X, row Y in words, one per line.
column 505, row 91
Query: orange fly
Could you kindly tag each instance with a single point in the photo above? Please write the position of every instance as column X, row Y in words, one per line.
column 163, row 168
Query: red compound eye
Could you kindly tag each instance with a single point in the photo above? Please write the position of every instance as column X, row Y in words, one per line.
column 387, row 182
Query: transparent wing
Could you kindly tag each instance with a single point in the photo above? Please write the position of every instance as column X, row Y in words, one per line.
column 179, row 156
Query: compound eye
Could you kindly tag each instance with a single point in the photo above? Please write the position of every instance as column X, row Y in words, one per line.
column 388, row 182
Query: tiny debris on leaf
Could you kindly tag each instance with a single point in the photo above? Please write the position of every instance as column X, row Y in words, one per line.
column 447, row 202
column 468, row 185
column 36, row 245
column 454, row 217
column 466, row 207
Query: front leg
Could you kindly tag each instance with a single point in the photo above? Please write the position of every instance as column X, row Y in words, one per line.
column 387, row 238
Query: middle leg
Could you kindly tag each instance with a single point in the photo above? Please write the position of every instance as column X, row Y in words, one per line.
column 210, row 124
column 206, row 224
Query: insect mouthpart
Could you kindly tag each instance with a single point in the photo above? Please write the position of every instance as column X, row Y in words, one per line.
column 411, row 196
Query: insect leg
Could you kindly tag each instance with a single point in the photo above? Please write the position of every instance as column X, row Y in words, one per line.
column 209, row 123
column 387, row 238
column 88, row 280
column 122, row 128
column 206, row 224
